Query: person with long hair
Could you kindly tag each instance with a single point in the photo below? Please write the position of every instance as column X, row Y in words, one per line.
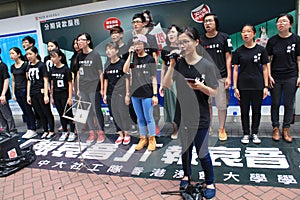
column 143, row 91
column 90, row 85
column 284, row 74
column 196, row 79
column 38, row 91
column 170, row 108
column 250, row 83
column 116, row 86
column 61, row 93
column 18, row 86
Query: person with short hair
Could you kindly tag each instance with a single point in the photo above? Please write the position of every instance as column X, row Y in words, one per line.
column 219, row 47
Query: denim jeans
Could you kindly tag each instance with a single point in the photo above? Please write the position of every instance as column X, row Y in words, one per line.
column 288, row 88
column 26, row 108
column 144, row 111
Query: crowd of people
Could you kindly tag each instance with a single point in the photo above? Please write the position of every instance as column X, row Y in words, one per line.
column 196, row 70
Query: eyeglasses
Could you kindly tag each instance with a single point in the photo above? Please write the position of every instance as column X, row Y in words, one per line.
column 183, row 42
column 136, row 21
column 208, row 21
column 282, row 22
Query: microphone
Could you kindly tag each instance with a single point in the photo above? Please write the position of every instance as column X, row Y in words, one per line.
column 131, row 58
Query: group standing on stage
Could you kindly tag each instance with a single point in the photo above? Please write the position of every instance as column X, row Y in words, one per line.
column 196, row 70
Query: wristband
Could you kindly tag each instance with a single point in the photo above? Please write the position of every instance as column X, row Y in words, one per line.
column 155, row 95
column 266, row 86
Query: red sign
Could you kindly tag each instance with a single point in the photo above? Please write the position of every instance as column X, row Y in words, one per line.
column 198, row 13
column 111, row 22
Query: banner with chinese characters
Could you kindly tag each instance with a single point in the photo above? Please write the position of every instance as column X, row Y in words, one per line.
column 268, row 164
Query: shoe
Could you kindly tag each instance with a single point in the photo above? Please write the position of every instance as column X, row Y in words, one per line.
column 142, row 143
column 133, row 129
column 119, row 140
column 183, row 185
column 286, row 135
column 157, row 131
column 92, row 137
column 174, row 135
column 210, row 192
column 29, row 134
column 45, row 134
column 126, row 139
column 60, row 129
column 276, row 134
column 72, row 137
column 245, row 139
column 50, row 135
column 255, row 139
column 152, row 143
column 101, row 137
column 222, row 134
column 63, row 137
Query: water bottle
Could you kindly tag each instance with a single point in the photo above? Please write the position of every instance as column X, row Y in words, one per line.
column 234, row 116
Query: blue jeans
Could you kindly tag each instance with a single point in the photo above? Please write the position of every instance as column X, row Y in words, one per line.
column 144, row 111
column 26, row 108
column 288, row 88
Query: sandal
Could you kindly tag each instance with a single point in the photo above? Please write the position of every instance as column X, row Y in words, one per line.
column 50, row 135
column 45, row 134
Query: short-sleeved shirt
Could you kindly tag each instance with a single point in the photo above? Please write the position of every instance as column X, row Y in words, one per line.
column 49, row 64
column 89, row 66
column 217, row 47
column 4, row 75
column 284, row 51
column 61, row 77
column 19, row 75
column 142, row 75
column 36, row 74
column 250, row 73
column 194, row 103
column 115, row 76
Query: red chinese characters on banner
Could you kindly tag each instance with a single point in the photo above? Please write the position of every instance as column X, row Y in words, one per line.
column 198, row 13
column 111, row 22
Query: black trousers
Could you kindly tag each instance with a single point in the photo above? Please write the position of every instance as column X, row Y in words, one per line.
column 44, row 111
column 60, row 101
column 247, row 98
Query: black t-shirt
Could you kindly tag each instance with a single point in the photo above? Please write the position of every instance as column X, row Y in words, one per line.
column 116, row 79
column 250, row 60
column 142, row 73
column 4, row 75
column 89, row 66
column 73, row 65
column 194, row 103
column 20, row 75
column 123, row 54
column 284, row 51
column 217, row 47
column 61, row 77
column 36, row 74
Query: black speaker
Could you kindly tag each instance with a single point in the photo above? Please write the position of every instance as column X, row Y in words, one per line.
column 9, row 146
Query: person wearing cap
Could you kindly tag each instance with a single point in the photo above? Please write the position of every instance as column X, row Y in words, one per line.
column 143, row 90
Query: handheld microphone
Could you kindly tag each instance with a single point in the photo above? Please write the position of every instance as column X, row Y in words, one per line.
column 131, row 59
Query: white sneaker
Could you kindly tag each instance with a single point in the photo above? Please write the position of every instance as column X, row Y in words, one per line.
column 63, row 136
column 29, row 134
column 71, row 137
column 245, row 139
column 255, row 139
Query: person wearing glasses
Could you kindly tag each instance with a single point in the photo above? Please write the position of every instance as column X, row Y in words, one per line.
column 195, row 75
column 90, row 82
column 284, row 74
column 219, row 47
